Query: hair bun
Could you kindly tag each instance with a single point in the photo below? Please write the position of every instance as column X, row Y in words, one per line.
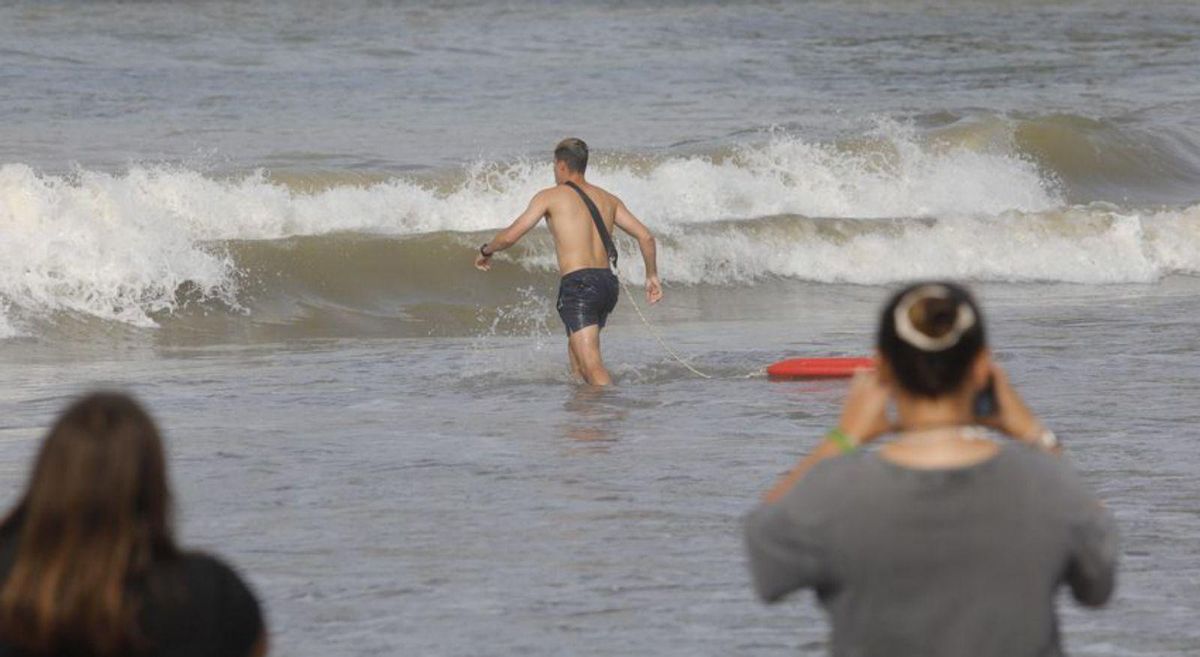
column 931, row 319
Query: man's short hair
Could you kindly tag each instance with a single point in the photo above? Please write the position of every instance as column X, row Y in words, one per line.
column 573, row 152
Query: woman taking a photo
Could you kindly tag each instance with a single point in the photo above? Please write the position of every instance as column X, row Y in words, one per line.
column 941, row 542
column 88, row 561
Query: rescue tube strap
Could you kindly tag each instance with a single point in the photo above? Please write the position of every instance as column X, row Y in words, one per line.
column 609, row 247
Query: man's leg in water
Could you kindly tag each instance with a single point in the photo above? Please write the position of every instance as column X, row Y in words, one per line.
column 585, row 343
column 576, row 370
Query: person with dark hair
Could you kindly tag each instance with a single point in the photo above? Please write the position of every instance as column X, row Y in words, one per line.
column 581, row 217
column 942, row 542
column 89, row 566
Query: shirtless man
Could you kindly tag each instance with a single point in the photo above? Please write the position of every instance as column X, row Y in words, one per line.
column 588, row 290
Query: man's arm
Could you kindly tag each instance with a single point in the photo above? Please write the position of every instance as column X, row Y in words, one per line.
column 539, row 206
column 630, row 224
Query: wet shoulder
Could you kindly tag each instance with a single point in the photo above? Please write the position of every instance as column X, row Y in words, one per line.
column 608, row 201
column 561, row 198
column 605, row 200
column 602, row 193
column 555, row 194
column 564, row 199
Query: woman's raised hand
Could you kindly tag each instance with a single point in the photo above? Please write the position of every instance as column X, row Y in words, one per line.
column 1013, row 416
column 864, row 415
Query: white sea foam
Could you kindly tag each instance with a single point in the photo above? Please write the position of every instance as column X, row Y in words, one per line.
column 900, row 177
column 98, row 245
column 1079, row 245
column 894, row 175
column 7, row 330
column 121, row 247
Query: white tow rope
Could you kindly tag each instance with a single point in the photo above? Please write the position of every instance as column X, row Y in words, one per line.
column 653, row 331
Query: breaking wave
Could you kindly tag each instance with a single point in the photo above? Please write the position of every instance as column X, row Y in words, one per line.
column 990, row 198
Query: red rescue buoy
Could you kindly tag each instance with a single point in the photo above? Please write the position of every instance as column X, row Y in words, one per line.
column 818, row 368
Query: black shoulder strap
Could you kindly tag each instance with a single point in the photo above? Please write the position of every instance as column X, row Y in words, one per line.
column 609, row 247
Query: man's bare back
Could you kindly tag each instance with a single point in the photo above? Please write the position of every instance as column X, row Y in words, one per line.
column 575, row 238
column 588, row 291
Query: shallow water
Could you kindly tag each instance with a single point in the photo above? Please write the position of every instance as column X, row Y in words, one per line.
column 260, row 219
column 457, row 496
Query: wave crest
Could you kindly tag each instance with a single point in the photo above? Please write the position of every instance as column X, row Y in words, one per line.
column 957, row 200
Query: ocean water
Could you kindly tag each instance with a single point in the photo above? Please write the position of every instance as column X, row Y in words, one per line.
column 260, row 218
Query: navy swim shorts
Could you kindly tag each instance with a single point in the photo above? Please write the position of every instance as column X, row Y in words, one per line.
column 586, row 297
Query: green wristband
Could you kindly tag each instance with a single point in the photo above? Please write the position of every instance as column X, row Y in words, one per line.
column 846, row 443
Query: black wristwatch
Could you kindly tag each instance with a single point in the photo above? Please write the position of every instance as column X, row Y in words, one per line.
column 483, row 251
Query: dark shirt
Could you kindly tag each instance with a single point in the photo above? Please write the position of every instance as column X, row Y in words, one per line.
column 937, row 563
column 192, row 606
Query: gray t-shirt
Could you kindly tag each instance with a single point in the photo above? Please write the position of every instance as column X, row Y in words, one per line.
column 931, row 563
